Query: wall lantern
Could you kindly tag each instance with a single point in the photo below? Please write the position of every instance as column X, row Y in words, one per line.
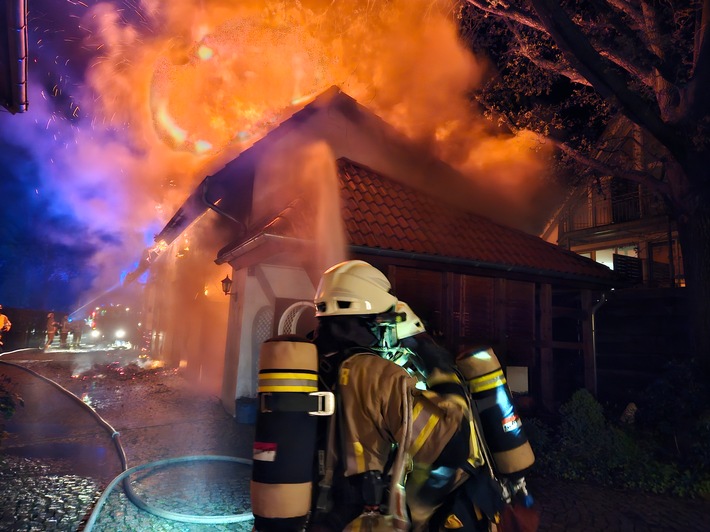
column 227, row 286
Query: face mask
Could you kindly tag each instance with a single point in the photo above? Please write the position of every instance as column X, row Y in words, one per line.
column 342, row 332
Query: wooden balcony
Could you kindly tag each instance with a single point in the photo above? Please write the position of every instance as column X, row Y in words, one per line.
column 600, row 212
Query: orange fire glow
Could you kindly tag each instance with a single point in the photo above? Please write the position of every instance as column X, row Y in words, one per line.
column 213, row 76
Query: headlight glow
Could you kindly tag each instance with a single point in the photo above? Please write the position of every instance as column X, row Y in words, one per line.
column 120, row 333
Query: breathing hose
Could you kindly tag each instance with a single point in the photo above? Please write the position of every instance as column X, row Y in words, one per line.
column 124, row 476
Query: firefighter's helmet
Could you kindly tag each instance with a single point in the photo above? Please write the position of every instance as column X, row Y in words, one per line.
column 353, row 288
column 411, row 324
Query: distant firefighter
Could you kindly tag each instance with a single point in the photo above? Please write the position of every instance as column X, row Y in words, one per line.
column 4, row 324
column 52, row 326
column 77, row 327
column 64, row 329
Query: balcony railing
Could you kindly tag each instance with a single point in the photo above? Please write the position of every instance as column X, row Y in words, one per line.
column 606, row 211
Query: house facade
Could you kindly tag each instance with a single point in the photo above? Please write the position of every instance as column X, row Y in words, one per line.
column 620, row 223
column 642, row 328
column 334, row 182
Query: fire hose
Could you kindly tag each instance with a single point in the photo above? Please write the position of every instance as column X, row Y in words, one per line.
column 173, row 516
column 124, row 476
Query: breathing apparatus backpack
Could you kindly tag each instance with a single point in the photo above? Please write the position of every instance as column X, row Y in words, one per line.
column 289, row 406
column 500, row 485
column 294, row 439
column 294, row 450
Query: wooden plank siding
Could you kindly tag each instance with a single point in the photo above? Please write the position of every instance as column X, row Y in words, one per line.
column 545, row 380
column 462, row 310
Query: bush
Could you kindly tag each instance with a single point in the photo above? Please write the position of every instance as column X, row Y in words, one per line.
column 584, row 445
column 9, row 400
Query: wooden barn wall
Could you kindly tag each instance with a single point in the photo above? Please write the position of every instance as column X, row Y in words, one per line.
column 425, row 292
column 462, row 310
column 529, row 322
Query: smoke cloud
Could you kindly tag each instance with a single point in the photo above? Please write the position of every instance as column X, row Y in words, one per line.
column 132, row 103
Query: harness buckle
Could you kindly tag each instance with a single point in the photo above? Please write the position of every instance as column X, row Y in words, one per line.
column 326, row 404
column 262, row 402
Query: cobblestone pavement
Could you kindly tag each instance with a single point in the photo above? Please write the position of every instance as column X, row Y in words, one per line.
column 57, row 460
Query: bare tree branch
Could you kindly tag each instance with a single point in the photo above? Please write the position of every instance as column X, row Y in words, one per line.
column 626, row 8
column 505, row 11
column 642, row 74
column 649, row 23
column 603, row 75
column 561, row 68
column 642, row 178
column 612, row 53
column 699, row 85
column 635, row 30
column 552, row 66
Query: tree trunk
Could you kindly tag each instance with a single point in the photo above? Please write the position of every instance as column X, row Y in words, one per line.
column 694, row 236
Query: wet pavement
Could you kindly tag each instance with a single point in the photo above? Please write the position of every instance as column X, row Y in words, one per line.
column 57, row 459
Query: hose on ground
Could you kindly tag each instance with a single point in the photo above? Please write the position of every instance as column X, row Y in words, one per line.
column 124, row 476
column 115, row 437
column 173, row 516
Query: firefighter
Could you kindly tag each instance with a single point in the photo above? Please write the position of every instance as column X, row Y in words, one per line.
column 64, row 328
column 507, row 452
column 52, row 326
column 77, row 329
column 396, row 452
column 5, row 324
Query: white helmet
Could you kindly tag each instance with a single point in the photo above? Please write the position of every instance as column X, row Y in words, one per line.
column 411, row 324
column 353, row 288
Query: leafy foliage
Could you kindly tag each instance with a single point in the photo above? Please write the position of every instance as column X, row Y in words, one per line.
column 525, row 93
column 9, row 400
column 584, row 445
column 569, row 68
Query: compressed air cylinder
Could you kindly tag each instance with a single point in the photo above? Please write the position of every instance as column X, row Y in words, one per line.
column 285, row 436
column 502, row 427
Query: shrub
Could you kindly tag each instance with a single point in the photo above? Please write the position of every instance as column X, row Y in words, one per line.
column 9, row 400
column 584, row 445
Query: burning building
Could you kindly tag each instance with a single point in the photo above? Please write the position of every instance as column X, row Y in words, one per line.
column 334, row 181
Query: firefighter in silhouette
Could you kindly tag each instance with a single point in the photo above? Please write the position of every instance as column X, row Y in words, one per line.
column 397, row 452
column 77, row 328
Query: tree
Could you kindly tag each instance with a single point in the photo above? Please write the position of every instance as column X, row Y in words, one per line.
column 566, row 67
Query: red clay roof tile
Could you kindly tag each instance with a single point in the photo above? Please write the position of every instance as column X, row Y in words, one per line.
column 401, row 218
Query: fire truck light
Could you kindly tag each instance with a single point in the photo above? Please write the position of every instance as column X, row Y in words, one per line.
column 120, row 333
column 95, row 333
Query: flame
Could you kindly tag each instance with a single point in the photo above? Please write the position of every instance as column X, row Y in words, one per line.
column 169, row 88
column 215, row 76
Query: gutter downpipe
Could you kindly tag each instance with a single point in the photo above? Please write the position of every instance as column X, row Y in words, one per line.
column 603, row 299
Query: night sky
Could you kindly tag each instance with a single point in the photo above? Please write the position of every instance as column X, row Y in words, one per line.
column 132, row 103
column 44, row 254
column 43, row 246
column 62, row 240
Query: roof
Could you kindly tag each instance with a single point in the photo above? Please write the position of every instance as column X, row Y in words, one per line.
column 381, row 214
column 397, row 216
column 351, row 130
